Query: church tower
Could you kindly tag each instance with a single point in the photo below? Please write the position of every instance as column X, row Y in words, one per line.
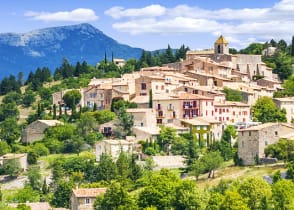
column 221, row 46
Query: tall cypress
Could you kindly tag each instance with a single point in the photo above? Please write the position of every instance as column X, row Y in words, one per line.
column 54, row 111
column 292, row 46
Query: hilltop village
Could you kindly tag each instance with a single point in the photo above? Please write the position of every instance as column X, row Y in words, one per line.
column 178, row 116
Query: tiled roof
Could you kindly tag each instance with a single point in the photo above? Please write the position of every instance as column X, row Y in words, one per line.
column 88, row 192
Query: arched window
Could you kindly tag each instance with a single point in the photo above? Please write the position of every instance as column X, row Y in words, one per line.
column 218, row 49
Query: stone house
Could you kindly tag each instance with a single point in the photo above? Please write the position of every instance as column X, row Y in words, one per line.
column 287, row 104
column 253, row 140
column 84, row 198
column 143, row 117
column 113, row 148
column 35, row 130
column 11, row 157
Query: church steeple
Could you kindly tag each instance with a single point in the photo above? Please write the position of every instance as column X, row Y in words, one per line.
column 221, row 46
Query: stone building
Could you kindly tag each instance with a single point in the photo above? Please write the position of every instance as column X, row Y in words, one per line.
column 10, row 158
column 113, row 148
column 253, row 140
column 35, row 130
column 84, row 198
column 287, row 104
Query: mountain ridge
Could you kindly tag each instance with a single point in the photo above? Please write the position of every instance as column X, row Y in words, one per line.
column 48, row 46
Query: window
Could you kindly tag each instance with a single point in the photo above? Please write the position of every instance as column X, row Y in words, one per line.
column 186, row 89
column 162, row 87
column 215, row 110
column 198, row 127
column 142, row 124
column 204, row 127
column 143, row 86
column 265, row 143
column 276, row 133
column 249, row 133
column 156, row 87
column 87, row 201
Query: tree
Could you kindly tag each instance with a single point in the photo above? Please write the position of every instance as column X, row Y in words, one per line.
column 254, row 190
column 233, row 201
column 232, row 95
column 188, row 196
column 12, row 167
column 9, row 130
column 27, row 194
column 72, row 98
column 34, row 176
column 290, row 170
column 12, row 97
column 212, row 161
column 9, row 110
column 283, row 191
column 292, row 46
column 159, row 190
column 28, row 98
column 4, row 148
column 126, row 122
column 86, row 124
column 103, row 116
column 197, row 167
column 166, row 137
column 61, row 195
column 106, row 169
column 283, row 65
column 116, row 197
column 265, row 110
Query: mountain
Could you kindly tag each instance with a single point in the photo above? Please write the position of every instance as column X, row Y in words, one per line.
column 47, row 47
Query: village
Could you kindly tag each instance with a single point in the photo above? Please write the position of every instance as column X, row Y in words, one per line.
column 187, row 96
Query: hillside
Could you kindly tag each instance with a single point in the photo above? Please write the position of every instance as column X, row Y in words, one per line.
column 46, row 47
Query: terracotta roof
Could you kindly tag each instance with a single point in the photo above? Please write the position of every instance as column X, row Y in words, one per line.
column 88, row 192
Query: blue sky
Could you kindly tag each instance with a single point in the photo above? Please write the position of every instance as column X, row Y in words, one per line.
column 153, row 24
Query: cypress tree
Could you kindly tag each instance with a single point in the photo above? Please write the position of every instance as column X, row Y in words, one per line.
column 54, row 111
column 150, row 98
column 292, row 46
column 95, row 107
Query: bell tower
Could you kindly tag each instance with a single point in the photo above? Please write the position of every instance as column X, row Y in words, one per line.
column 221, row 46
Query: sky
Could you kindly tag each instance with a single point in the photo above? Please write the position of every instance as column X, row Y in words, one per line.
column 153, row 24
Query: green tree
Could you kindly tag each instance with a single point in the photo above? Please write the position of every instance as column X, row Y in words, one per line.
column 215, row 201
column 4, row 148
column 28, row 98
column 232, row 95
column 283, row 191
column 265, row 110
column 233, row 201
column 197, row 167
column 104, row 116
column 86, row 124
column 34, row 176
column 9, row 110
column 126, row 122
column 12, row 97
column 283, row 65
column 188, row 196
column 9, row 130
column 27, row 194
column 61, row 195
column 166, row 137
column 254, row 190
column 72, row 98
column 290, row 171
column 212, row 161
column 116, row 197
column 292, row 46
column 106, row 170
column 159, row 190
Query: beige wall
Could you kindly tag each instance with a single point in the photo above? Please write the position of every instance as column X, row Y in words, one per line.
column 230, row 114
column 113, row 148
column 253, row 142
column 143, row 117
column 288, row 105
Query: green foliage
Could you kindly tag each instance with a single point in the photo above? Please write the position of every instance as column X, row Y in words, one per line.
column 72, row 98
column 125, row 123
column 196, row 168
column 283, row 150
column 254, row 190
column 27, row 194
column 265, row 110
column 34, row 176
column 23, row 206
column 254, row 48
column 86, row 124
column 9, row 110
column 116, row 197
column 9, row 85
column 61, row 195
column 28, row 98
column 283, row 65
column 12, row 97
column 166, row 137
column 4, row 148
column 106, row 169
column 212, row 161
column 103, row 116
column 12, row 167
column 290, row 171
column 233, row 201
column 283, row 191
column 159, row 190
column 232, row 95
column 189, row 196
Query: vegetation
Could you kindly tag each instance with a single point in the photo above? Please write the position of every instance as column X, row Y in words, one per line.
column 265, row 110
column 232, row 95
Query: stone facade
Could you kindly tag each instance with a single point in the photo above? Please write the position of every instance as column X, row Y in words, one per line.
column 35, row 130
column 11, row 157
column 288, row 105
column 253, row 140
column 143, row 117
column 113, row 148
column 84, row 198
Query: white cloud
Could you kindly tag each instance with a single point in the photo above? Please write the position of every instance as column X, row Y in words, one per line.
column 239, row 25
column 149, row 11
column 77, row 15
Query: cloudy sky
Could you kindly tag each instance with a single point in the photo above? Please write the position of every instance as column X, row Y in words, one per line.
column 153, row 24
